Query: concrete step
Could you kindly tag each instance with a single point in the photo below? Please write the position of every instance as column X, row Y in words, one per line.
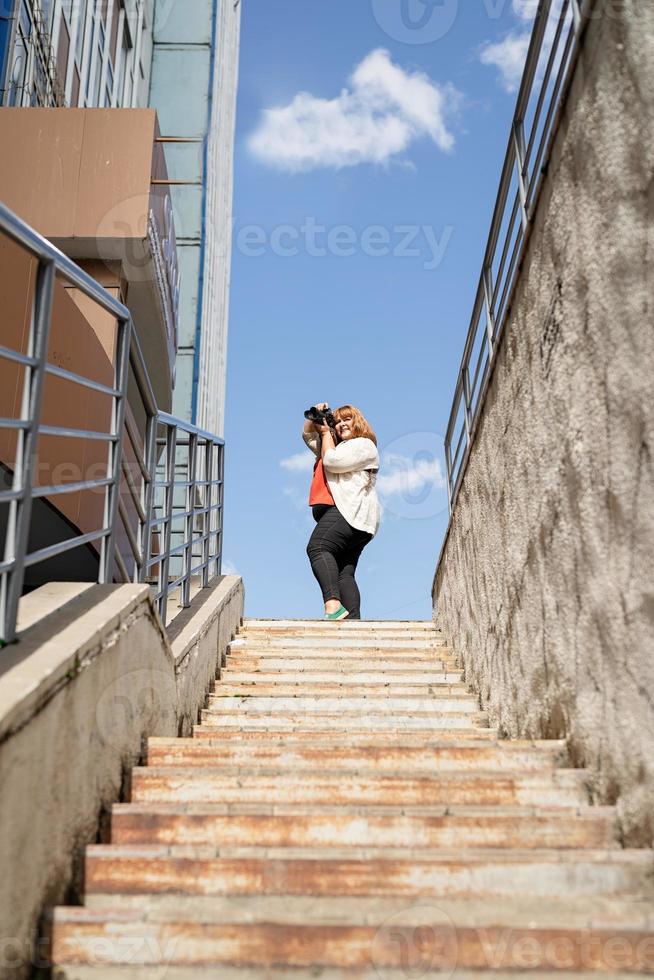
column 434, row 757
column 196, row 870
column 634, row 912
column 320, row 721
column 326, row 664
column 229, row 689
column 346, row 638
column 402, row 626
column 290, row 734
column 331, row 678
column 273, row 972
column 224, row 824
column 323, row 704
column 565, row 787
column 121, row 937
column 396, row 644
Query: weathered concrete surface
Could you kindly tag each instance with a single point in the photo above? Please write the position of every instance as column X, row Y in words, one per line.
column 80, row 693
column 256, row 857
column 545, row 585
column 199, row 636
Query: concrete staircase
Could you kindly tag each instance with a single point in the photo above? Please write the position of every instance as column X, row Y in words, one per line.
column 343, row 811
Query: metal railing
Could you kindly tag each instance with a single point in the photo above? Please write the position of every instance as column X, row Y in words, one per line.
column 162, row 486
column 549, row 66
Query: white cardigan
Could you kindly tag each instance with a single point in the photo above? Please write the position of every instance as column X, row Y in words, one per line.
column 352, row 488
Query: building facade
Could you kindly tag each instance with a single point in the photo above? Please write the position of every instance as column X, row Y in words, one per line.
column 193, row 88
column 179, row 57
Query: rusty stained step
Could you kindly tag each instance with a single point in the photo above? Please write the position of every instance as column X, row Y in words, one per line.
column 382, row 670
column 434, row 757
column 323, row 704
column 262, row 688
column 292, row 826
column 563, row 787
column 343, row 628
column 84, row 938
column 197, row 870
column 360, row 659
column 634, row 911
column 318, row 647
column 333, row 641
column 296, row 734
column 321, row 721
column 361, row 678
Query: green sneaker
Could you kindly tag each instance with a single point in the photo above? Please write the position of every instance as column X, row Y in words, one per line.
column 340, row 613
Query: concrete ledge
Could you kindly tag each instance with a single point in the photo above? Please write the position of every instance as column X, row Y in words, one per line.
column 82, row 690
column 196, row 635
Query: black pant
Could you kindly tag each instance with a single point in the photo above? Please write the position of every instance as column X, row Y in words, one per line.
column 334, row 549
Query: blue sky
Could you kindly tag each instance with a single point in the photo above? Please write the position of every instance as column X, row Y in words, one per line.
column 370, row 139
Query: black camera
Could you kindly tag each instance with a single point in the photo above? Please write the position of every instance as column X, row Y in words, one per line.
column 321, row 416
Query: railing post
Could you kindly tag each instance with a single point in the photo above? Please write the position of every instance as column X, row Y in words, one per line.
column 221, row 500
column 20, row 510
column 467, row 403
column 189, row 520
column 206, row 523
column 490, row 316
column 448, row 467
column 520, row 156
column 148, row 496
column 112, row 495
column 171, row 453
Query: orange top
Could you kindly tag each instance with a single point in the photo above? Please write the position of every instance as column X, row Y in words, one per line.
column 320, row 492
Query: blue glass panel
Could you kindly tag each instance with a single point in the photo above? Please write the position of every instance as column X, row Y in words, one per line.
column 6, row 14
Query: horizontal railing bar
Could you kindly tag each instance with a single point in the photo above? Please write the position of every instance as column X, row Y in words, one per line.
column 57, row 430
column 45, row 251
column 13, row 355
column 184, row 484
column 78, row 379
column 15, row 424
column 63, row 546
column 6, row 496
column 170, row 420
column 60, row 488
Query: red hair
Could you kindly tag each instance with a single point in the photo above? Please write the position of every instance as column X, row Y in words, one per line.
column 360, row 425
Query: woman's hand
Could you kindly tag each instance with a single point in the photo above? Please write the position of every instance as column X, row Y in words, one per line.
column 322, row 429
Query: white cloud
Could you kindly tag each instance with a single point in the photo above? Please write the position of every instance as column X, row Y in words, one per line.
column 228, row 567
column 509, row 57
column 525, row 9
column 384, row 110
column 298, row 463
column 409, row 476
column 509, row 54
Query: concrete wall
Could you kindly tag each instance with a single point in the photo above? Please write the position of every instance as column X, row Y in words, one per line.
column 79, row 695
column 212, row 365
column 545, row 581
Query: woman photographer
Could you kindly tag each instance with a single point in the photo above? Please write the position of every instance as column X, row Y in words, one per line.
column 344, row 504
